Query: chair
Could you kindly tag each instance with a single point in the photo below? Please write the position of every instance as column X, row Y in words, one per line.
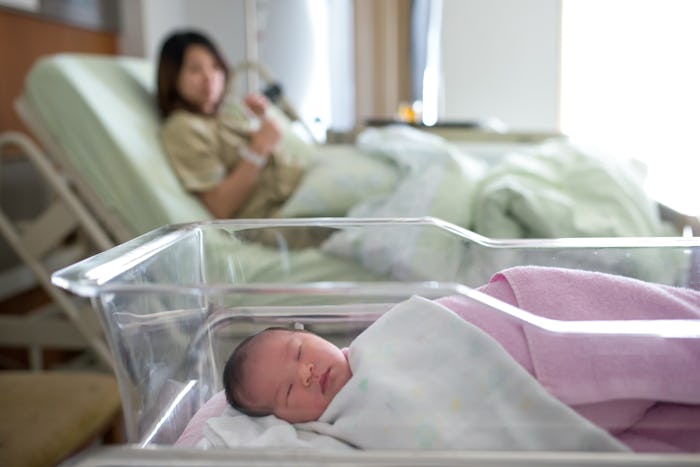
column 49, row 416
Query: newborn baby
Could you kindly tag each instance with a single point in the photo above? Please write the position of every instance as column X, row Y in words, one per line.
column 452, row 374
column 291, row 374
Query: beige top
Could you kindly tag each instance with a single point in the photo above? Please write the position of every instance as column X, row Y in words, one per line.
column 203, row 150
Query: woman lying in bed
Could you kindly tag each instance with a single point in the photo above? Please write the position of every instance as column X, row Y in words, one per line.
column 454, row 374
column 236, row 169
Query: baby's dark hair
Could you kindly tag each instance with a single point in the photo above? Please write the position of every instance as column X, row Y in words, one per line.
column 233, row 377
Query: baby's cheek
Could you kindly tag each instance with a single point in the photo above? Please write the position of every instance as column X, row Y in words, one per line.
column 320, row 403
column 320, row 409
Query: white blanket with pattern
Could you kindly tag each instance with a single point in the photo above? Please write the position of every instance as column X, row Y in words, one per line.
column 423, row 378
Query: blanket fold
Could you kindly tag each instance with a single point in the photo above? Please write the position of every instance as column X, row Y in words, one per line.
column 425, row 379
column 560, row 190
column 615, row 381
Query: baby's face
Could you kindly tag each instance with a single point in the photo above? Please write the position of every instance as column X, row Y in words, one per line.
column 295, row 375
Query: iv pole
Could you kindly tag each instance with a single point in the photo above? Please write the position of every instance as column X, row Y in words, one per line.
column 251, row 42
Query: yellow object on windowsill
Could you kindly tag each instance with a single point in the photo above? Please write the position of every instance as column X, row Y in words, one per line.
column 410, row 112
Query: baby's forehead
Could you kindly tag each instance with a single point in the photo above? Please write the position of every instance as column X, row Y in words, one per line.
column 268, row 338
column 276, row 334
column 265, row 354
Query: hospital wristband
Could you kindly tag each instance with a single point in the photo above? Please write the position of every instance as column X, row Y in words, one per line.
column 253, row 157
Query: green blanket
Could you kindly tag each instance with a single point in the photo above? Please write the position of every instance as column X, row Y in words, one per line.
column 552, row 190
column 561, row 191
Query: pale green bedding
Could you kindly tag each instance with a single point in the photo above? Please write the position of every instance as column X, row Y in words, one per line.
column 551, row 190
column 559, row 190
column 101, row 111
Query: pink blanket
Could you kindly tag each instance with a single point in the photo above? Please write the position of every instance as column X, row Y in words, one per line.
column 644, row 390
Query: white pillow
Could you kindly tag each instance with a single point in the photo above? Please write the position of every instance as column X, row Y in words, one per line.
column 216, row 424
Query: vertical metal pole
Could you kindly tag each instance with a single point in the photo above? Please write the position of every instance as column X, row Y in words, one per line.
column 251, row 43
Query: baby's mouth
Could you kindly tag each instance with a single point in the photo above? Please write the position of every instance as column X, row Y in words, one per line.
column 324, row 380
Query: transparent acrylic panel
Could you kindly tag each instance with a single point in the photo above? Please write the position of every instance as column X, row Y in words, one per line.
column 176, row 301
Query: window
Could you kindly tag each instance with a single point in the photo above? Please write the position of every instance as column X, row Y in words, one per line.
column 630, row 85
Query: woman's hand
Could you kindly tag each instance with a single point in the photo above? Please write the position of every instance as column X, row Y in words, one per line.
column 266, row 139
column 227, row 198
column 268, row 135
column 257, row 103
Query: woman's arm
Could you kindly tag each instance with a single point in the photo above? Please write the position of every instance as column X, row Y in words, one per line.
column 227, row 198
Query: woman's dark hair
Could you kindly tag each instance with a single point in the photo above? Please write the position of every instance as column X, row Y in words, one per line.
column 172, row 54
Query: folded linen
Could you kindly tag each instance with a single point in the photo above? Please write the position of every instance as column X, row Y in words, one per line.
column 613, row 380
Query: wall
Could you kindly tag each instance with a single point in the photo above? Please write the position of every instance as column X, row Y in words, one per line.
column 145, row 23
column 38, row 35
column 501, row 59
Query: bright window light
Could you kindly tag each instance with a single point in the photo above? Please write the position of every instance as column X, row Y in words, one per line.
column 317, row 103
column 630, row 86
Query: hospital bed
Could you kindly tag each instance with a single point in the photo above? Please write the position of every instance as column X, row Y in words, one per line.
column 95, row 119
column 97, row 123
column 175, row 301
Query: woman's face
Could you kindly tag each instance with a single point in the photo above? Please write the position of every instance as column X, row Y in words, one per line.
column 201, row 81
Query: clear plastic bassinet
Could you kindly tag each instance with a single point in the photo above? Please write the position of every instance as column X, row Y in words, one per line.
column 173, row 303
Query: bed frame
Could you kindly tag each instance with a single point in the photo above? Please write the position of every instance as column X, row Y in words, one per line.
column 66, row 225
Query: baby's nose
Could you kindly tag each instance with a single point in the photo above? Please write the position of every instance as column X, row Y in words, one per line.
column 306, row 371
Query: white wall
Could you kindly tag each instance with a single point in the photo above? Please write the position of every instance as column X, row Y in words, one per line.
column 501, row 59
column 224, row 21
column 145, row 24
column 31, row 5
